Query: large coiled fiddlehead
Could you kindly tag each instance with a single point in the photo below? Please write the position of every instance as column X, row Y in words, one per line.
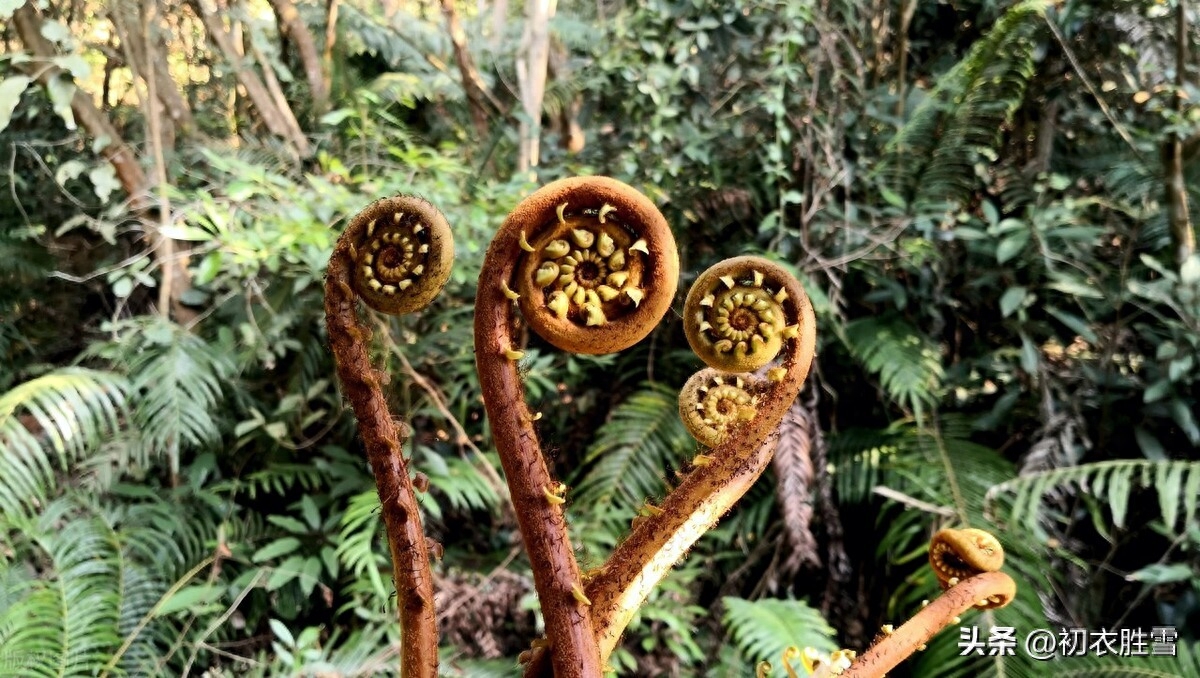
column 592, row 265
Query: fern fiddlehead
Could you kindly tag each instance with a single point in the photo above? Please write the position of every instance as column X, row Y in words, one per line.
column 712, row 403
column 967, row 564
column 396, row 256
column 724, row 473
column 592, row 266
column 598, row 271
column 733, row 319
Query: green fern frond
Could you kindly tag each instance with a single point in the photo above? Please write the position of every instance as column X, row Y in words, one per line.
column 643, row 441
column 763, row 629
column 76, row 603
column 361, row 525
column 58, row 417
column 907, row 362
column 179, row 386
column 463, row 484
column 279, row 478
column 932, row 158
column 1177, row 484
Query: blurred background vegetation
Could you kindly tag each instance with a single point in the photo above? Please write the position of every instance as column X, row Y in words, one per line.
column 988, row 201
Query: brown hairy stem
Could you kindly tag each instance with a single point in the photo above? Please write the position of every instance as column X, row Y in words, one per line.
column 707, row 493
column 904, row 641
column 729, row 469
column 382, row 436
column 546, row 222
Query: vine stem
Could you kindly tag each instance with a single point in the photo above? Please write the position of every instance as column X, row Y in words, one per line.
column 383, row 439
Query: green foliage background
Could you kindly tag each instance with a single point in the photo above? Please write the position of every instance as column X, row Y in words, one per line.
column 1007, row 340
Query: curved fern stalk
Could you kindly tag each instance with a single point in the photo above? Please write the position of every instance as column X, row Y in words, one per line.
column 58, row 417
column 1177, row 484
column 967, row 564
column 592, row 266
column 395, row 256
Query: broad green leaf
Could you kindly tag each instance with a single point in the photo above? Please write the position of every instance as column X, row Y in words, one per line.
column 282, row 633
column 62, row 92
column 279, row 547
column 55, row 31
column 1011, row 246
column 1011, row 300
column 312, row 516
column 1075, row 323
column 892, row 198
column 288, row 523
column 1157, row 573
column 1029, row 355
column 10, row 95
column 190, row 597
column 75, row 64
column 284, row 573
column 68, row 170
column 104, row 181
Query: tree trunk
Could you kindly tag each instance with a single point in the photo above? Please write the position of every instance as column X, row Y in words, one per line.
column 292, row 26
column 532, row 62
column 570, row 132
column 129, row 172
column 137, row 47
column 1178, row 213
column 331, row 19
column 279, row 121
column 499, row 21
column 477, row 94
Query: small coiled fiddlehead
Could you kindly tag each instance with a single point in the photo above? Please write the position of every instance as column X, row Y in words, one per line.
column 712, row 403
column 592, row 266
column 396, row 256
column 734, row 317
column 967, row 564
column 402, row 251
